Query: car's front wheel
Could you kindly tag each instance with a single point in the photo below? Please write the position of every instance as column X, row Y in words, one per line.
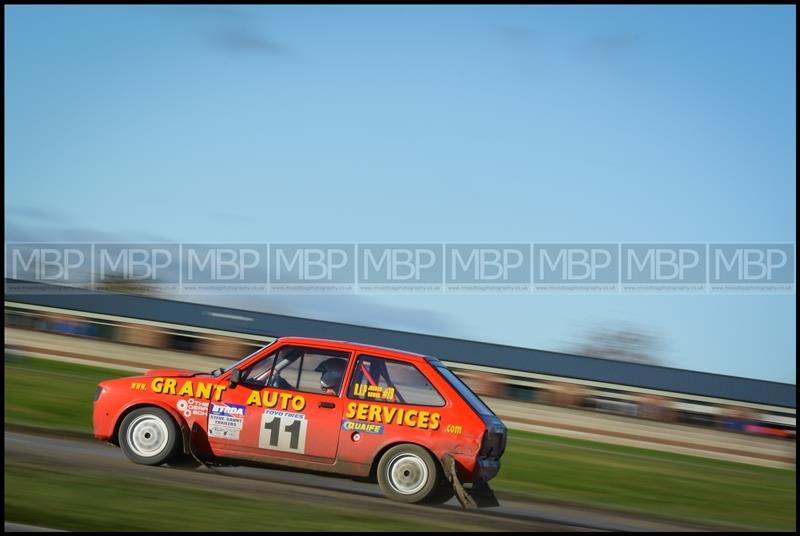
column 148, row 436
column 408, row 473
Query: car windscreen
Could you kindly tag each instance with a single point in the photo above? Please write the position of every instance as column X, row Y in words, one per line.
column 473, row 400
column 245, row 358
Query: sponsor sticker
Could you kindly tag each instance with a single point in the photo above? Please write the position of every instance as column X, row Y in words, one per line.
column 192, row 408
column 366, row 427
column 283, row 430
column 226, row 421
column 362, row 390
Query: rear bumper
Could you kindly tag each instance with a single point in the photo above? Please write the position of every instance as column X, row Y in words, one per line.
column 486, row 469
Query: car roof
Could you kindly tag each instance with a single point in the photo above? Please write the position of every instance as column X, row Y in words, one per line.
column 358, row 347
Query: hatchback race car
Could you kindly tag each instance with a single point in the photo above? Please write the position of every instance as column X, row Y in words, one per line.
column 355, row 410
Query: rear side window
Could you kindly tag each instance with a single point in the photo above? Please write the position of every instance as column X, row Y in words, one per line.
column 386, row 380
column 476, row 403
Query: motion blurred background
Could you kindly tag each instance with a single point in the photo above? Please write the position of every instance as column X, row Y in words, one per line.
column 470, row 124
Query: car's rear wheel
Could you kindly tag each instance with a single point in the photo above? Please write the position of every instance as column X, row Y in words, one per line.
column 408, row 473
column 148, row 436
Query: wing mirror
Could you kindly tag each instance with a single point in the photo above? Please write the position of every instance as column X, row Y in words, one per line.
column 236, row 377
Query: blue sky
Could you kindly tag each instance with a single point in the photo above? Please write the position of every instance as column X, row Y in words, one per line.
column 409, row 123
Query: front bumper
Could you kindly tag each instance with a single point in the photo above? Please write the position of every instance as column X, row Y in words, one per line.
column 102, row 423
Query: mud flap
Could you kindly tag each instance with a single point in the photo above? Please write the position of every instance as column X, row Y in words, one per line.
column 450, row 472
column 192, row 451
column 483, row 495
column 479, row 495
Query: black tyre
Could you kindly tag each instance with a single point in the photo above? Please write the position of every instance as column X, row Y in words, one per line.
column 408, row 473
column 149, row 436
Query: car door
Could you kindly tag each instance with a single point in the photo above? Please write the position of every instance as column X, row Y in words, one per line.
column 388, row 401
column 279, row 410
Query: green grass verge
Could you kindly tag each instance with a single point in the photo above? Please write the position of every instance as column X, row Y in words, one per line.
column 58, row 396
column 72, row 500
column 671, row 485
column 52, row 394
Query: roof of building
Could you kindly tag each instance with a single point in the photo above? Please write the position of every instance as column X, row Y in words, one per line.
column 445, row 348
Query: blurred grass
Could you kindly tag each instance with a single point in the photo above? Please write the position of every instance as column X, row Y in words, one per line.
column 542, row 467
column 76, row 500
column 52, row 394
column 58, row 396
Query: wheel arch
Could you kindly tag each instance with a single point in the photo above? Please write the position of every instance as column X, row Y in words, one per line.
column 183, row 426
column 373, row 470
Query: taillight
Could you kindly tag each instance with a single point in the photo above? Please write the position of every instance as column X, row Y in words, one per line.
column 97, row 393
column 493, row 443
column 485, row 444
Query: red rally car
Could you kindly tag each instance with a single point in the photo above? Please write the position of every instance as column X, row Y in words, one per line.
column 362, row 411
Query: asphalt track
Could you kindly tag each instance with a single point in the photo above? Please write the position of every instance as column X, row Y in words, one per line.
column 49, row 451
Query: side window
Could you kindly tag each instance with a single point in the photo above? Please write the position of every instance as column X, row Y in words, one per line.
column 386, row 380
column 257, row 375
column 299, row 369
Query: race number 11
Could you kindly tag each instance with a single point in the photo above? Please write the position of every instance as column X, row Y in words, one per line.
column 283, row 431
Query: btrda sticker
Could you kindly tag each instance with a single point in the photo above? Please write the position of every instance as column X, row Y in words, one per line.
column 226, row 421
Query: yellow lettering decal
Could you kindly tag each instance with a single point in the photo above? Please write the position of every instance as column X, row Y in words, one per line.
column 388, row 413
column 434, row 425
column 269, row 399
column 298, row 403
column 254, row 399
column 157, row 385
column 204, row 390
column 285, row 400
column 169, row 386
column 361, row 415
column 218, row 391
column 187, row 389
column 399, row 419
column 360, row 390
column 423, row 419
column 351, row 410
column 411, row 414
column 374, row 413
column 388, row 394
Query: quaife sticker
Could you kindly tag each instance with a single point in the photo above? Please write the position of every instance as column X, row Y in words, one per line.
column 226, row 421
column 283, row 430
column 366, row 427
